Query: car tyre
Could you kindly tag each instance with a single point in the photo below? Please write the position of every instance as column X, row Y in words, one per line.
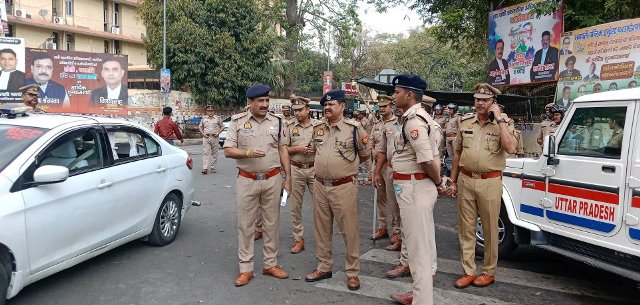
column 4, row 284
column 167, row 223
column 506, row 236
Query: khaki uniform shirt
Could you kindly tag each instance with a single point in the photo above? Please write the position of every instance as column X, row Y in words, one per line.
column 592, row 138
column 301, row 136
column 391, row 128
column 377, row 133
column 453, row 124
column 480, row 145
column 616, row 139
column 366, row 124
column 211, row 125
column 543, row 127
column 422, row 141
column 335, row 151
column 245, row 132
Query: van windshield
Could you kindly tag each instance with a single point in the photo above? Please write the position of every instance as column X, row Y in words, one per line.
column 14, row 140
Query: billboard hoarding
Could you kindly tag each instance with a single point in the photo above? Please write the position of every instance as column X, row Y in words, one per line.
column 165, row 80
column 600, row 58
column 523, row 47
column 12, row 64
column 79, row 82
column 327, row 81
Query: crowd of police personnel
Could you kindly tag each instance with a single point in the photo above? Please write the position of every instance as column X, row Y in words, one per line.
column 297, row 153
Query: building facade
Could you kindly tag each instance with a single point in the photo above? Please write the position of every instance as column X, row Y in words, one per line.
column 97, row 26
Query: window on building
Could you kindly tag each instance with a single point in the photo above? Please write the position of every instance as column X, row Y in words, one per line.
column 116, row 14
column 107, row 49
column 69, row 7
column 11, row 29
column 105, row 16
column 595, row 132
column 116, row 47
column 69, row 42
column 54, row 8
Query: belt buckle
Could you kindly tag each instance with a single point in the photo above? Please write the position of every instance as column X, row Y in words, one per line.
column 261, row 176
column 476, row 175
column 327, row 182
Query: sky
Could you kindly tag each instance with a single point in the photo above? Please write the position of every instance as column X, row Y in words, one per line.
column 395, row 21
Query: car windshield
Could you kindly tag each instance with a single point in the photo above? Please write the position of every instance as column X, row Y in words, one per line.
column 14, row 140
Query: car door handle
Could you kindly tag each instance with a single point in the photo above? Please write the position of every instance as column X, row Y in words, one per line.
column 608, row 168
column 104, row 185
column 161, row 169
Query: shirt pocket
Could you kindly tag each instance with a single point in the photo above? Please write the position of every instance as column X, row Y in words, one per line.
column 246, row 138
column 467, row 139
column 273, row 138
column 492, row 143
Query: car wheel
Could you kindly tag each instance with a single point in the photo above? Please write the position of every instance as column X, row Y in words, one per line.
column 167, row 223
column 506, row 238
column 4, row 284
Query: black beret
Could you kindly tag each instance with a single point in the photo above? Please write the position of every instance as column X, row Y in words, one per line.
column 409, row 81
column 258, row 90
column 337, row 95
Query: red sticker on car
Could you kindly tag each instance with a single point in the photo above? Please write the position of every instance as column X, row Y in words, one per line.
column 20, row 133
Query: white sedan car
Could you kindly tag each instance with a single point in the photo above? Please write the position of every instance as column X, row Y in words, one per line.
column 73, row 187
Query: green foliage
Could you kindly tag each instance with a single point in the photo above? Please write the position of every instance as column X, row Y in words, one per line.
column 216, row 48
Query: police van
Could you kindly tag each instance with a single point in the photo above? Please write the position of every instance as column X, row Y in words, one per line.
column 581, row 198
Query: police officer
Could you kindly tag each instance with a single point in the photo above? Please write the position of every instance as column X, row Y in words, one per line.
column 286, row 112
column 258, row 142
column 557, row 114
column 546, row 122
column 481, row 146
column 30, row 95
column 441, row 119
column 417, row 182
column 210, row 127
column 340, row 144
column 367, row 124
column 452, row 126
column 302, row 154
column 518, row 134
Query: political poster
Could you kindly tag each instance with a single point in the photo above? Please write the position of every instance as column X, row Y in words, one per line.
column 327, row 81
column 79, row 82
column 523, row 47
column 601, row 58
column 165, row 80
column 12, row 64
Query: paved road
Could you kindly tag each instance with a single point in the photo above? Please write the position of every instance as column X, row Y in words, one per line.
column 200, row 266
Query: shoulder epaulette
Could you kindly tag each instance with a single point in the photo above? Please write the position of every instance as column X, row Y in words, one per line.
column 467, row 116
column 315, row 122
column 239, row 115
column 352, row 122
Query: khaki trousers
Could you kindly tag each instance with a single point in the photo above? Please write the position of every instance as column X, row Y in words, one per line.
column 390, row 201
column 381, row 202
column 209, row 152
column 442, row 147
column 255, row 197
column 450, row 146
column 339, row 203
column 300, row 178
column 416, row 199
column 479, row 196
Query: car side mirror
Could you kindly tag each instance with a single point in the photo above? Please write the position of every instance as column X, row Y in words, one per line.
column 49, row 174
column 549, row 150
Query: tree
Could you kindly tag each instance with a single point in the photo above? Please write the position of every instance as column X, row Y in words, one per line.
column 216, row 48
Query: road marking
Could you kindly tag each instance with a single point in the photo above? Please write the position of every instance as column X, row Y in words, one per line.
column 511, row 276
column 383, row 288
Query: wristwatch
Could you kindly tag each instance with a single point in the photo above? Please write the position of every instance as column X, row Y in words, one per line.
column 502, row 120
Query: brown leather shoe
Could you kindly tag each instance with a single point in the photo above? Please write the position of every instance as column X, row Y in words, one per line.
column 483, row 280
column 399, row 271
column 353, row 283
column 213, row 170
column 405, row 299
column 298, row 246
column 244, row 278
column 204, row 171
column 395, row 246
column 276, row 272
column 317, row 275
column 465, row 281
column 258, row 235
column 394, row 238
column 380, row 234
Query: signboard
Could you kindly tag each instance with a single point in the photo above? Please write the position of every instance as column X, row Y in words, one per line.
column 523, row 48
column 165, row 80
column 12, row 64
column 604, row 57
column 350, row 88
column 79, row 82
column 327, row 81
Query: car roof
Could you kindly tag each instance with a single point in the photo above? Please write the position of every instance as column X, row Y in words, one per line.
column 50, row 120
column 618, row 95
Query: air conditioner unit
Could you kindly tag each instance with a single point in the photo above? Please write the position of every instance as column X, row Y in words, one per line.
column 143, row 35
column 20, row 13
column 115, row 30
column 58, row 20
column 51, row 45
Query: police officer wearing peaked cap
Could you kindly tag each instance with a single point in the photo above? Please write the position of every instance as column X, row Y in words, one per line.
column 210, row 127
column 30, row 95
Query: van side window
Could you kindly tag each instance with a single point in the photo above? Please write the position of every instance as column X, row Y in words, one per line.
column 595, row 132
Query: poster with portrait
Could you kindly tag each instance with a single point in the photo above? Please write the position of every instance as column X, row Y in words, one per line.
column 12, row 64
column 523, row 47
column 165, row 80
column 79, row 82
column 4, row 22
column 600, row 58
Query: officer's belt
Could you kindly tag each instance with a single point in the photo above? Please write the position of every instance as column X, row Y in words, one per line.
column 259, row 176
column 335, row 182
column 416, row 176
column 451, row 135
column 302, row 165
column 486, row 175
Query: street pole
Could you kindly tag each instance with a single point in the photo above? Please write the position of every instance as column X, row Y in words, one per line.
column 164, row 42
column 328, row 50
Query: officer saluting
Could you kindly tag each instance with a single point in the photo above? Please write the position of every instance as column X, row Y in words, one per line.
column 210, row 127
column 341, row 145
column 257, row 140
column 480, row 153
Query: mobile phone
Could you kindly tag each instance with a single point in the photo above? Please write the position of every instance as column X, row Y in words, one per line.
column 491, row 116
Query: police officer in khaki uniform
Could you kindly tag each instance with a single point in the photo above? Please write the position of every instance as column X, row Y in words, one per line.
column 482, row 145
column 518, row 134
column 546, row 123
column 30, row 96
column 286, row 112
column 341, row 144
column 441, row 119
column 417, row 182
column 452, row 127
column 258, row 142
column 557, row 114
column 302, row 154
column 210, row 127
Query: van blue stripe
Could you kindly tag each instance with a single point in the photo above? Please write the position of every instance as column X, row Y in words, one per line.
column 531, row 210
column 634, row 233
column 582, row 222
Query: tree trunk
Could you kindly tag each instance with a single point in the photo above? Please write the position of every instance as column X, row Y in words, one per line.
column 293, row 28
